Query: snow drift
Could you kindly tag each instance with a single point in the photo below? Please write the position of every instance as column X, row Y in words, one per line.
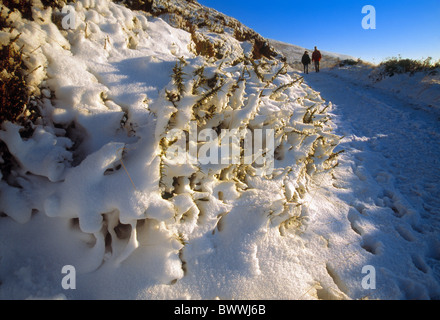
column 98, row 160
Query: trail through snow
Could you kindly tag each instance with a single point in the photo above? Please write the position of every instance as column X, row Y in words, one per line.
column 389, row 174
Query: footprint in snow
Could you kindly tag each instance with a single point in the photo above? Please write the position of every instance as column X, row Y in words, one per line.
column 405, row 233
column 372, row 245
column 420, row 263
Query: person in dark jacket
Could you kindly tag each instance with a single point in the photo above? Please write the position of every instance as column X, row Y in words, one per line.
column 316, row 57
column 306, row 61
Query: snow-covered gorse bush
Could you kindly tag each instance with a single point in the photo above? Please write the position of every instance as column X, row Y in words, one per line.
column 100, row 152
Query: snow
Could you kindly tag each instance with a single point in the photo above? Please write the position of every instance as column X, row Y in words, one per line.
column 388, row 177
column 421, row 89
column 97, row 185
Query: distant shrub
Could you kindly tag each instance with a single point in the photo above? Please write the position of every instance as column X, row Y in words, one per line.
column 348, row 62
column 398, row 65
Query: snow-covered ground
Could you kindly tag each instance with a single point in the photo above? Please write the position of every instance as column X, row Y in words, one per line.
column 96, row 186
column 388, row 181
column 421, row 88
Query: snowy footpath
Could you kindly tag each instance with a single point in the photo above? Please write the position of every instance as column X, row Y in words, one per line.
column 389, row 176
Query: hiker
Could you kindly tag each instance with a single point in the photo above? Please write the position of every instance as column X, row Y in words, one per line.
column 316, row 57
column 306, row 61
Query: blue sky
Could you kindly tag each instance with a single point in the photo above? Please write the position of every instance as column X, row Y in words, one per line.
column 403, row 27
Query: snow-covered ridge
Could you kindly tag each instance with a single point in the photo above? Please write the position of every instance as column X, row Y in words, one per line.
column 210, row 30
column 111, row 91
column 294, row 53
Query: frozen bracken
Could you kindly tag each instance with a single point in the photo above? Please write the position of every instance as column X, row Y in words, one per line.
column 97, row 181
column 113, row 89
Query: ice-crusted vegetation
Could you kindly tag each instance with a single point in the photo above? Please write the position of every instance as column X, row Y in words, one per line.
column 98, row 151
column 166, row 151
column 87, row 134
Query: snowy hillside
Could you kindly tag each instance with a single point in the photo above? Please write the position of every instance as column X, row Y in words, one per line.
column 166, row 152
column 120, row 94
